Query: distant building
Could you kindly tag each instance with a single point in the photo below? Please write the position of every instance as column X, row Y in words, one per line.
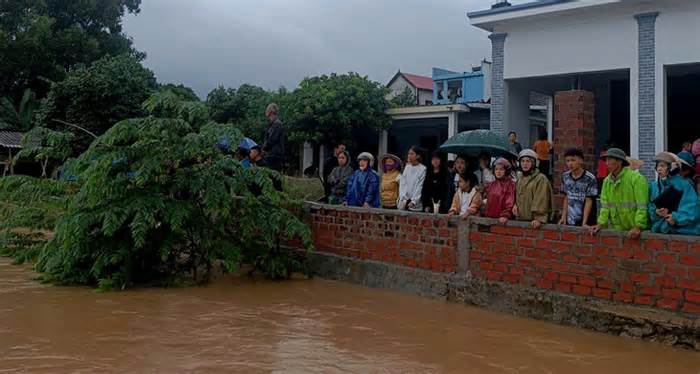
column 450, row 87
column 421, row 86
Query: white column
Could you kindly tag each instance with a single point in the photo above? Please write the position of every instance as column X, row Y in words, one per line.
column 307, row 156
column 550, row 119
column 452, row 129
column 383, row 147
column 322, row 159
column 516, row 112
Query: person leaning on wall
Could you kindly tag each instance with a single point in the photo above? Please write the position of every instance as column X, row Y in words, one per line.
column 673, row 203
column 533, row 192
column 624, row 198
column 363, row 186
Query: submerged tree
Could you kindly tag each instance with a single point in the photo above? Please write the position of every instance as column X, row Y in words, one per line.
column 158, row 200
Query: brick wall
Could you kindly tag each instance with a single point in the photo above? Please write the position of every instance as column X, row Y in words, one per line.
column 574, row 127
column 659, row 270
column 416, row 240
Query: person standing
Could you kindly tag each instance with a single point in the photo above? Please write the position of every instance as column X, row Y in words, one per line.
column 331, row 163
column 467, row 199
column 460, row 166
column 273, row 146
column 533, row 192
column 411, row 181
column 500, row 195
column 363, row 186
column 624, row 198
column 673, row 207
column 391, row 173
column 435, row 186
column 544, row 149
column 580, row 189
column 338, row 179
column 515, row 147
column 484, row 175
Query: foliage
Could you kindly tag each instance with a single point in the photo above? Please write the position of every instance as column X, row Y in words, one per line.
column 158, row 200
column 29, row 209
column 41, row 40
column 22, row 118
column 183, row 92
column 306, row 189
column 404, row 99
column 168, row 104
column 243, row 107
column 332, row 107
column 97, row 96
column 46, row 145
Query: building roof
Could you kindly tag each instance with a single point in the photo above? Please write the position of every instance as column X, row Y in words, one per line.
column 11, row 139
column 514, row 8
column 418, row 81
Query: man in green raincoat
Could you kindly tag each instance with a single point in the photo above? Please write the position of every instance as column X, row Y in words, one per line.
column 623, row 202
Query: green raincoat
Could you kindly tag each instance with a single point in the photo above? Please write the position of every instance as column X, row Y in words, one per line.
column 623, row 202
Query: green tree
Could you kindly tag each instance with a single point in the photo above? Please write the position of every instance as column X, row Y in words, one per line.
column 42, row 40
column 45, row 146
column 22, row 118
column 404, row 99
column 159, row 200
column 243, row 107
column 97, row 96
column 334, row 107
column 183, row 92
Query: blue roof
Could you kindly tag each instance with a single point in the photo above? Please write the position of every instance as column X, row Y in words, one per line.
column 514, row 8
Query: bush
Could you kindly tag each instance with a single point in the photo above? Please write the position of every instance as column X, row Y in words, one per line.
column 159, row 201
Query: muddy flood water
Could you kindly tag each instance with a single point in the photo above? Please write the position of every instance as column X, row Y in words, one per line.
column 302, row 326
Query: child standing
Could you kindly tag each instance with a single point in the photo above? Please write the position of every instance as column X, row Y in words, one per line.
column 467, row 199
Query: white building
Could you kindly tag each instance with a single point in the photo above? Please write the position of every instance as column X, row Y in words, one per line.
column 421, row 86
column 639, row 58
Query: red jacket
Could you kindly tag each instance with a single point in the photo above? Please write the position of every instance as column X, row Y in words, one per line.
column 500, row 198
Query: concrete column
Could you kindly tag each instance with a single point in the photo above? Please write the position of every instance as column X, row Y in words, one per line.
column 452, row 129
column 383, row 147
column 646, row 108
column 498, row 96
column 322, row 158
column 307, row 158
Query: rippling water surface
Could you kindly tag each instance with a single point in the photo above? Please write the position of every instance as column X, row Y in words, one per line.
column 302, row 326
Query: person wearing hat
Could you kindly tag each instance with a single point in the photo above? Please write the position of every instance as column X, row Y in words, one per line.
column 363, row 186
column 533, row 192
column 683, row 219
column 624, row 199
column 391, row 173
column 411, row 181
column 500, row 194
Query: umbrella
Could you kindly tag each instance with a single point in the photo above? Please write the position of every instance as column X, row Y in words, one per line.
column 475, row 142
column 247, row 143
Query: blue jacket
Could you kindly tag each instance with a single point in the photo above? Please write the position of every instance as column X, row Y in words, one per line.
column 363, row 187
column 688, row 215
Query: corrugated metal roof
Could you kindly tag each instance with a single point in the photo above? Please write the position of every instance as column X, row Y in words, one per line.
column 11, row 139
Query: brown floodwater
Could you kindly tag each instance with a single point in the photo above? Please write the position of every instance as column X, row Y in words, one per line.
column 239, row 324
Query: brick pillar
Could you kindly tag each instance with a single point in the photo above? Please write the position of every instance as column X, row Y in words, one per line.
column 498, row 94
column 574, row 127
column 647, row 90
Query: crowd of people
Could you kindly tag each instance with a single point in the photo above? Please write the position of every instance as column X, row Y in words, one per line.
column 519, row 189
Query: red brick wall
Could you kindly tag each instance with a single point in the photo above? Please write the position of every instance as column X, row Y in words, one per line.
column 574, row 127
column 659, row 270
column 416, row 240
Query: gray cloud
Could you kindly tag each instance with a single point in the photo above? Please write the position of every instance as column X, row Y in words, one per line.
column 275, row 43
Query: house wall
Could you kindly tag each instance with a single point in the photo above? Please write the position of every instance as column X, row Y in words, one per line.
column 425, row 96
column 398, row 86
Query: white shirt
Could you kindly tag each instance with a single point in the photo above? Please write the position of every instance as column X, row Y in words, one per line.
column 465, row 198
column 411, row 186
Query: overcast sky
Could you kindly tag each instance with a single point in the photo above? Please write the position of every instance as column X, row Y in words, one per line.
column 272, row 43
